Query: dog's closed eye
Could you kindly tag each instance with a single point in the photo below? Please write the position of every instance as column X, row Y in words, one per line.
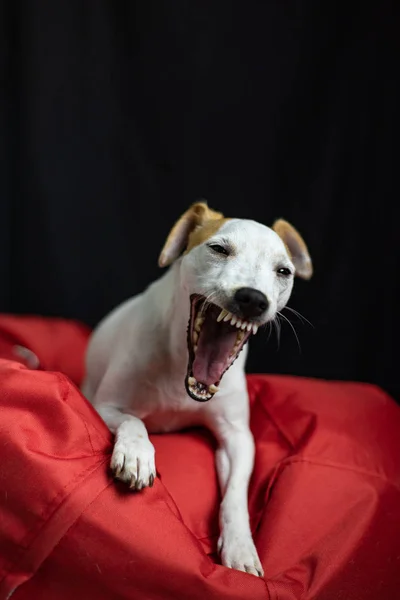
column 219, row 249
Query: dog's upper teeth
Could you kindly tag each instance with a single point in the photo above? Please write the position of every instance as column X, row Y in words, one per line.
column 255, row 329
column 249, row 327
column 228, row 317
column 238, row 323
column 233, row 320
column 222, row 315
column 244, row 325
column 213, row 389
column 198, row 323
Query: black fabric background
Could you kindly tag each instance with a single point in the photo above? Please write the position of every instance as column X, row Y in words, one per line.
column 115, row 116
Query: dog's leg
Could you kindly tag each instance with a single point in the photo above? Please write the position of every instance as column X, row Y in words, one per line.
column 234, row 462
column 132, row 460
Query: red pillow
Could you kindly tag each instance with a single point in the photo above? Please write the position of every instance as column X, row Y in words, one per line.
column 324, row 497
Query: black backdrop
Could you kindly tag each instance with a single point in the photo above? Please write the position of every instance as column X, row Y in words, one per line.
column 116, row 115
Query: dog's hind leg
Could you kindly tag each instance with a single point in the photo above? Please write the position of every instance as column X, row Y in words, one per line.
column 234, row 462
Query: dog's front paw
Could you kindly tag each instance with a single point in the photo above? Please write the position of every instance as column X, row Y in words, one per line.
column 133, row 463
column 239, row 552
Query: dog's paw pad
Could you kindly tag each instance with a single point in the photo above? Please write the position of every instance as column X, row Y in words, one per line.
column 134, row 464
column 240, row 553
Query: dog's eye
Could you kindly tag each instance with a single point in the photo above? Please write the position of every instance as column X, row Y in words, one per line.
column 219, row 249
column 284, row 272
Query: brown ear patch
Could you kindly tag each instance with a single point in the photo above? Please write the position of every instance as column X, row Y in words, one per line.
column 196, row 225
column 204, row 232
column 296, row 248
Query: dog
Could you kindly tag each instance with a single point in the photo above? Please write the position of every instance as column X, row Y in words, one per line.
column 155, row 363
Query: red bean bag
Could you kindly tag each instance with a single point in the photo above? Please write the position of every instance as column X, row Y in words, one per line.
column 324, row 497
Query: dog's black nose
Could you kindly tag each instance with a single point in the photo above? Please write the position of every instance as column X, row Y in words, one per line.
column 251, row 302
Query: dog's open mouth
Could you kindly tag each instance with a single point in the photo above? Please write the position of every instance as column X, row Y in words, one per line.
column 215, row 338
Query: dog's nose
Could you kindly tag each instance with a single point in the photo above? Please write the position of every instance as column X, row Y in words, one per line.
column 251, row 302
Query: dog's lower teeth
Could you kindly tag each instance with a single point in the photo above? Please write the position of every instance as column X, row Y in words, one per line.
column 213, row 389
column 195, row 337
column 195, row 348
column 234, row 350
column 240, row 336
column 192, row 381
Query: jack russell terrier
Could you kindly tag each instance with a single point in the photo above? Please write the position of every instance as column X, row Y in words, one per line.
column 155, row 363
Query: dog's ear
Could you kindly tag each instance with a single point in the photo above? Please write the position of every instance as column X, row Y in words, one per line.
column 296, row 247
column 196, row 216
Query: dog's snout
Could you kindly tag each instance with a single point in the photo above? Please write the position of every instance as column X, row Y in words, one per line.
column 251, row 302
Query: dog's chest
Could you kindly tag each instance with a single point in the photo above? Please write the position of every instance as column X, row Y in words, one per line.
column 165, row 406
column 169, row 420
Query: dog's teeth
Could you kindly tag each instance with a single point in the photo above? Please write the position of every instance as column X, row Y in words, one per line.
column 198, row 323
column 213, row 389
column 255, row 329
column 239, row 323
column 240, row 336
column 222, row 314
column 195, row 348
column 233, row 320
column 249, row 327
column 195, row 337
column 244, row 325
column 228, row 317
column 236, row 345
column 192, row 381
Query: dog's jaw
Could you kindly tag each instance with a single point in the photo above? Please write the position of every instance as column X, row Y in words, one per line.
column 218, row 333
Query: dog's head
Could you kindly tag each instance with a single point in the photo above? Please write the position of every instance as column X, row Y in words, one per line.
column 237, row 275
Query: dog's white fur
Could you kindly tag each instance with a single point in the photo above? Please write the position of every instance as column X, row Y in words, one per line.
column 137, row 361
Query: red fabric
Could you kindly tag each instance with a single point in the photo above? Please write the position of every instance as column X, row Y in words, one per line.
column 324, row 497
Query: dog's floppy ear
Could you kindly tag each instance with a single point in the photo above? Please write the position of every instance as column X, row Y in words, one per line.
column 177, row 240
column 296, row 246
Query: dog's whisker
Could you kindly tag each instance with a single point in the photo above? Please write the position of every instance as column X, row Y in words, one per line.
column 301, row 317
column 207, row 302
column 277, row 325
column 292, row 327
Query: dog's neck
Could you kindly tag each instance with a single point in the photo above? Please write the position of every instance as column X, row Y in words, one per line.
column 173, row 305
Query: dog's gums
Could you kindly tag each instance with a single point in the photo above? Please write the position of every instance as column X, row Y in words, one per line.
column 215, row 338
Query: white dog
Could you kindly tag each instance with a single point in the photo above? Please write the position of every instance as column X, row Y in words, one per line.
column 155, row 363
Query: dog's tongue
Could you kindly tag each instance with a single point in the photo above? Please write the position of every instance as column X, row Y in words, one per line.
column 214, row 346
